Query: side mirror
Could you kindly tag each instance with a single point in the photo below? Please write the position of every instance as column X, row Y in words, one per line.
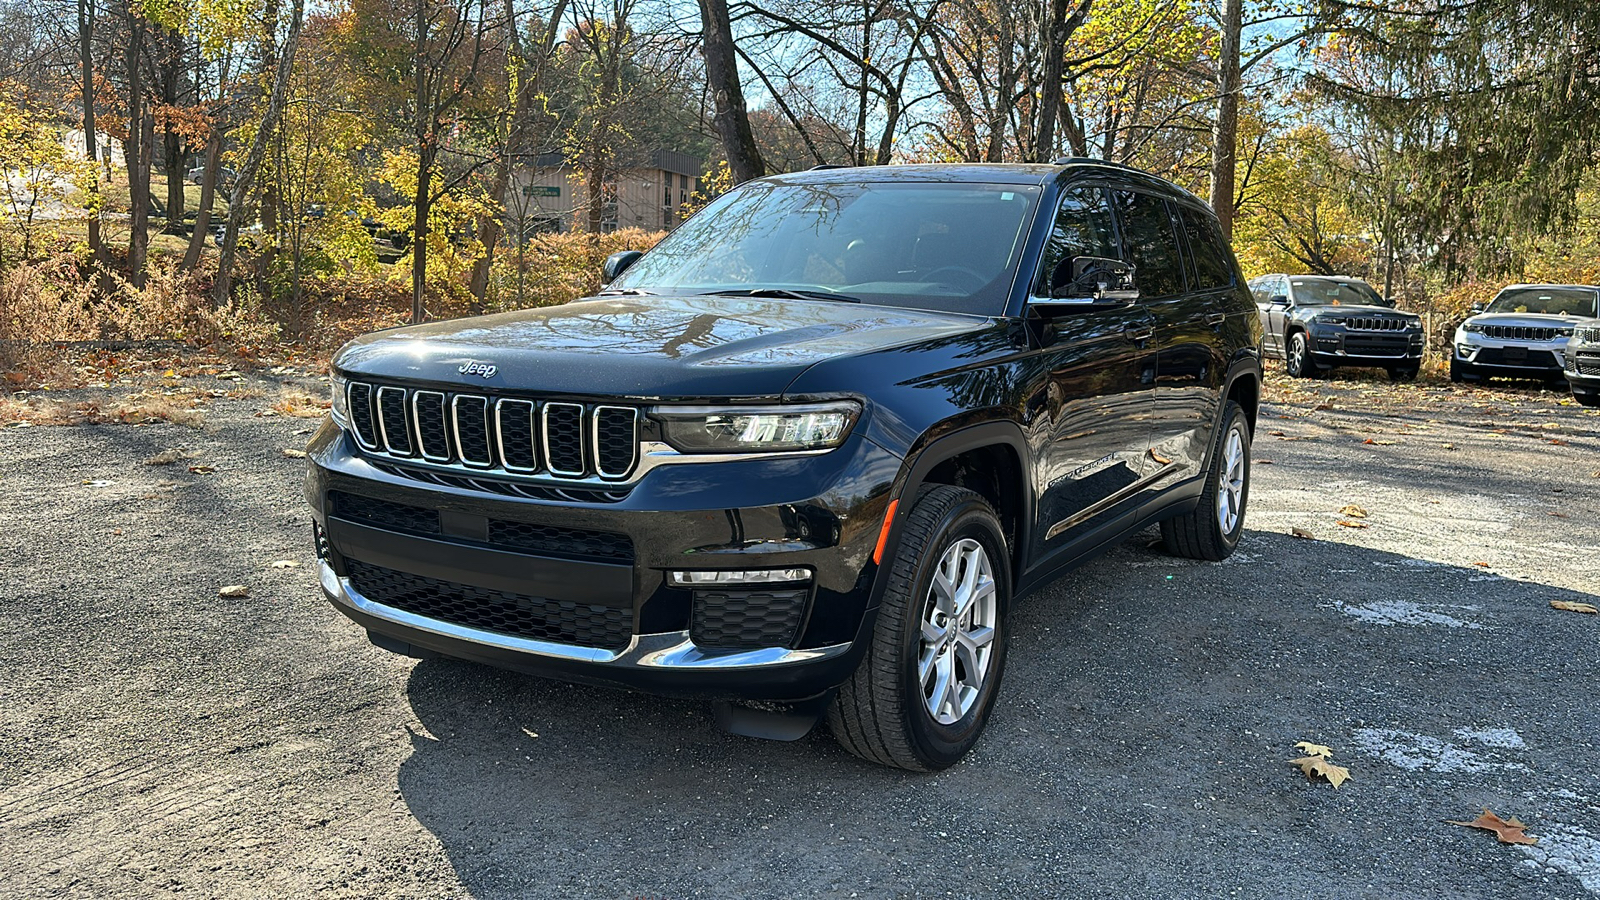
column 1477, row 308
column 1278, row 300
column 1083, row 281
column 617, row 263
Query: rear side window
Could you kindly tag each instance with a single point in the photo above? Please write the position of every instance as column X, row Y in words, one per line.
column 1082, row 228
column 1207, row 250
column 1150, row 244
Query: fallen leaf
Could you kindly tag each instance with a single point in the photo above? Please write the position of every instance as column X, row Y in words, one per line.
column 167, row 457
column 285, row 563
column 1379, row 443
column 202, row 470
column 292, row 453
column 1558, row 515
column 1313, row 766
column 1575, row 606
column 96, row 482
column 1449, row 446
column 1482, row 565
column 234, row 591
column 1509, row 831
column 1314, row 749
column 1262, row 462
column 1353, row 511
column 1556, row 441
column 1348, row 524
column 1275, row 433
column 1301, row 533
column 1153, row 455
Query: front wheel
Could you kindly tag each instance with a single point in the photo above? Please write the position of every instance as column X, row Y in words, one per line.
column 921, row 696
column 1586, row 399
column 1212, row 529
column 1297, row 362
column 1404, row 373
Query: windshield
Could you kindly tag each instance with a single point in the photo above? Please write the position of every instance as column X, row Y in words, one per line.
column 1551, row 301
column 951, row 247
column 1328, row 292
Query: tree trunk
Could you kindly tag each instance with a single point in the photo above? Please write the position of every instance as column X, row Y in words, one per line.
column 1225, row 136
column 91, row 141
column 247, row 172
column 270, row 56
column 419, row 234
column 732, row 120
column 1050, row 80
column 173, row 155
column 136, row 153
column 208, row 196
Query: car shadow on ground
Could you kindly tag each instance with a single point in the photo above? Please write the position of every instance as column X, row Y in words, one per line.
column 1149, row 706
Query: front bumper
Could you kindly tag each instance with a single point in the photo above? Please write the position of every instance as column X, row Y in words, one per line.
column 1582, row 367
column 615, row 621
column 1494, row 356
column 1339, row 346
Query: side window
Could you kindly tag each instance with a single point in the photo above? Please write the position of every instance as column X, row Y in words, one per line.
column 1082, row 228
column 1212, row 267
column 1150, row 244
column 1261, row 289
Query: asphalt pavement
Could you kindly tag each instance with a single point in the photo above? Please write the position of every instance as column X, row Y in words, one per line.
column 157, row 739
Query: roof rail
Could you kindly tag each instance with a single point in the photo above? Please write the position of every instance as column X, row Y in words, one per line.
column 821, row 166
column 1069, row 160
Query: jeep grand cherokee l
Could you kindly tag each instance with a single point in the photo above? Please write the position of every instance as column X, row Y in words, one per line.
column 1522, row 333
column 1318, row 322
column 809, row 450
column 1583, row 362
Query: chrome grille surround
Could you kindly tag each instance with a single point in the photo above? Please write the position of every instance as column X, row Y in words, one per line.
column 1520, row 333
column 474, row 432
column 1377, row 323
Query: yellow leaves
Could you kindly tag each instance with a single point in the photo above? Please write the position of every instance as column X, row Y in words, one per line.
column 234, row 592
column 1574, row 606
column 1509, row 831
column 1353, row 511
column 1315, row 764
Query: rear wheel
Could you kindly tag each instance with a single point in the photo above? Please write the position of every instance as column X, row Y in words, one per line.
column 1297, row 361
column 1404, row 373
column 1212, row 529
column 922, row 694
column 1587, row 399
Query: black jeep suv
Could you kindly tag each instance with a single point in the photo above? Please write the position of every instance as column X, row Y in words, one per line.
column 1319, row 322
column 806, row 451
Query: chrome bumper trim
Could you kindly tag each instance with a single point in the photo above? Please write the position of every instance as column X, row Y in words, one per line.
column 667, row 650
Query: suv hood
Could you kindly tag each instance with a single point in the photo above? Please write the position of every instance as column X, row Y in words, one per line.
column 1346, row 309
column 644, row 347
column 1533, row 320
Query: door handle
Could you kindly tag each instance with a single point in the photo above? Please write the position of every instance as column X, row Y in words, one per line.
column 1137, row 333
column 1216, row 318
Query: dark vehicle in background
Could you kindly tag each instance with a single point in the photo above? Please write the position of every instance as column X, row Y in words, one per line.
column 1583, row 362
column 808, row 451
column 1522, row 333
column 1315, row 323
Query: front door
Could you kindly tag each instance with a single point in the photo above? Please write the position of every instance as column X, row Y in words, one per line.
column 1093, row 439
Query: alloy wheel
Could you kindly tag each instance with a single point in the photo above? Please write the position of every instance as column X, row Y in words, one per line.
column 1230, row 489
column 959, row 619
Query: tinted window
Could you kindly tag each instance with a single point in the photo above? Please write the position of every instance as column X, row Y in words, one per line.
column 1548, row 300
column 933, row 245
column 1082, row 228
column 1150, row 244
column 1207, row 250
column 1261, row 289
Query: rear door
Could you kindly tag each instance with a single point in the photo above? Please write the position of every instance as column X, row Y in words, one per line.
column 1092, row 447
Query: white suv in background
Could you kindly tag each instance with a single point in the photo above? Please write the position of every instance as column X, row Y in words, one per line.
column 1522, row 333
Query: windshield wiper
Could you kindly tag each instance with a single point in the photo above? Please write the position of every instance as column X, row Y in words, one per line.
column 789, row 293
column 626, row 292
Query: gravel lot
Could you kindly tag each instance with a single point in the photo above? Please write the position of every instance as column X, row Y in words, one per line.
column 156, row 738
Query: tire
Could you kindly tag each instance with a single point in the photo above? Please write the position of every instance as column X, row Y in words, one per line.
column 883, row 713
column 1587, row 399
column 1212, row 529
column 1462, row 372
column 1297, row 359
column 1404, row 373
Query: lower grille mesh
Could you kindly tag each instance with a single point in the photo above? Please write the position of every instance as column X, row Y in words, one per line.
column 746, row 620
column 518, row 615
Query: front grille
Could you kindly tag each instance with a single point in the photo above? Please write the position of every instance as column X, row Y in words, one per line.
column 518, row 615
column 561, row 494
column 383, row 513
column 746, row 620
column 1532, row 359
column 1376, row 345
column 503, row 534
column 1588, row 334
column 1587, row 364
column 1376, row 323
column 1519, row 333
column 504, row 434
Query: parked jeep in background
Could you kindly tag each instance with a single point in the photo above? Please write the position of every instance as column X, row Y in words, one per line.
column 1583, row 362
column 1315, row 323
column 808, row 450
column 1522, row 333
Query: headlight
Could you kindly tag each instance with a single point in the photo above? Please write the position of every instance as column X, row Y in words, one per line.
column 1472, row 327
column 702, row 429
column 1329, row 320
column 1564, row 330
column 341, row 401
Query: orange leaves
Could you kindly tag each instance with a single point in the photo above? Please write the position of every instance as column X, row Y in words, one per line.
column 1349, row 524
column 1509, row 831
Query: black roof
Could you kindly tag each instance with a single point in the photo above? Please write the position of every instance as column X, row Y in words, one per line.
column 985, row 173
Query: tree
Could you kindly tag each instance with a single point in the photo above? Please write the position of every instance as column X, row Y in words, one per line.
column 732, row 120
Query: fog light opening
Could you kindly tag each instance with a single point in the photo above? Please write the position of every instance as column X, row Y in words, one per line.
column 737, row 576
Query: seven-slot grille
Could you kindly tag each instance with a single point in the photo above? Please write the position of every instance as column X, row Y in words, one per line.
column 1376, row 323
column 475, row 431
column 1520, row 332
column 1588, row 334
